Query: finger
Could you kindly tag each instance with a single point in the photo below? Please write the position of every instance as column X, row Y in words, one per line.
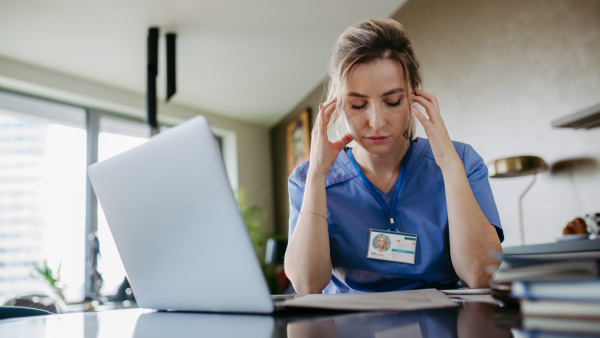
column 420, row 116
column 429, row 107
column 428, row 97
column 423, row 101
column 345, row 140
column 329, row 111
column 341, row 143
column 327, row 104
column 315, row 130
column 323, row 122
column 319, row 116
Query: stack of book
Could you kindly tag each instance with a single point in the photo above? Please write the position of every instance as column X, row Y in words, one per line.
column 555, row 295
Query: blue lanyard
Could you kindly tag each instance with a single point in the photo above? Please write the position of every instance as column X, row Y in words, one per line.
column 389, row 211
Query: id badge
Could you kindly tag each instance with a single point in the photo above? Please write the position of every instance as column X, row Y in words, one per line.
column 392, row 246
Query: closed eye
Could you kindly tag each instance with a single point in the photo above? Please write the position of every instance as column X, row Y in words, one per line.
column 358, row 107
column 395, row 104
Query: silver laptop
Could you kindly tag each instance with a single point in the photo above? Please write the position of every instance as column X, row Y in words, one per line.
column 177, row 227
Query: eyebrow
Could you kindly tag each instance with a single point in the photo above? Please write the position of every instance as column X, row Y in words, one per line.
column 389, row 92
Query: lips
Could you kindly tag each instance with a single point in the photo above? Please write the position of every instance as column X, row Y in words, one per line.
column 377, row 138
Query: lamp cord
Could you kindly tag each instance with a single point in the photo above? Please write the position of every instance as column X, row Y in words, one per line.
column 521, row 228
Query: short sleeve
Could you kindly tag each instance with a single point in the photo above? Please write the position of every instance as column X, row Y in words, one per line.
column 477, row 174
column 296, row 193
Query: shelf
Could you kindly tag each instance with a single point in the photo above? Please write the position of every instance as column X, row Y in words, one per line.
column 587, row 118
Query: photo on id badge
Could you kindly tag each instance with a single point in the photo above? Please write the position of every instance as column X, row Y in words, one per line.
column 392, row 246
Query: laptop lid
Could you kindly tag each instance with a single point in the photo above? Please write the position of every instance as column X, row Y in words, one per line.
column 177, row 227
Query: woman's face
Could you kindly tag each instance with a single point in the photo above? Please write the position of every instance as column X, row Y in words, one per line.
column 376, row 108
column 381, row 242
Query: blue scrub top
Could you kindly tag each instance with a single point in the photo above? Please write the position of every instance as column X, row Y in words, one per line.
column 352, row 211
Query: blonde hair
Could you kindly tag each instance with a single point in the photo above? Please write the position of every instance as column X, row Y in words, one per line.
column 368, row 41
column 384, row 238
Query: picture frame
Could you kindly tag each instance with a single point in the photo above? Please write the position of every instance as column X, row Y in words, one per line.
column 297, row 135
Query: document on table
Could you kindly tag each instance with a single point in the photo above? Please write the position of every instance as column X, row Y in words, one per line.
column 465, row 291
column 397, row 300
column 475, row 298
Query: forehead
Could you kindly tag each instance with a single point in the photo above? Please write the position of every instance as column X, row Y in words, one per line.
column 375, row 77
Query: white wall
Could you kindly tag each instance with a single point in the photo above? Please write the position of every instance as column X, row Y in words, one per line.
column 502, row 71
column 253, row 141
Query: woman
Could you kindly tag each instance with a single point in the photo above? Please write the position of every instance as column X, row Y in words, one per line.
column 382, row 243
column 441, row 202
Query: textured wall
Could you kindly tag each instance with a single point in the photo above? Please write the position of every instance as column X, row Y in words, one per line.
column 502, row 71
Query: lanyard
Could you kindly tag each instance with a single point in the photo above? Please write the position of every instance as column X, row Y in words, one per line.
column 390, row 212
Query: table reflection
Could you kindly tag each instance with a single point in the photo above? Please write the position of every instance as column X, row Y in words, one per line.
column 181, row 324
column 471, row 320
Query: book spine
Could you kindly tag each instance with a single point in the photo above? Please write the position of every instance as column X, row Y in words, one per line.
column 520, row 290
column 527, row 290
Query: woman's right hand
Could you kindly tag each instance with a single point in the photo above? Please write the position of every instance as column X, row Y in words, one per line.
column 323, row 152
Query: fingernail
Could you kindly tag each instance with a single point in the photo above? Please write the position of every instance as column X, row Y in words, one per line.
column 414, row 105
column 412, row 95
column 320, row 107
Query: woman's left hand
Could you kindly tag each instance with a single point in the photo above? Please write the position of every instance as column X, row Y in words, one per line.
column 441, row 145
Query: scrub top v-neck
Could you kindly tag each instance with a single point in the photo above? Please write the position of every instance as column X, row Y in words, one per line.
column 389, row 209
column 352, row 210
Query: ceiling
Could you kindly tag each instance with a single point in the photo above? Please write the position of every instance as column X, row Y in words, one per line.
column 249, row 60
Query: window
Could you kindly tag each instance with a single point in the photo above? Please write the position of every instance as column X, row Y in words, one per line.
column 42, row 194
column 47, row 207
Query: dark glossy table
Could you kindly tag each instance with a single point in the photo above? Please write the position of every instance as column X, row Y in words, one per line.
column 469, row 320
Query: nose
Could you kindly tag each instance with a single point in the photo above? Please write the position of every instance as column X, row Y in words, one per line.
column 376, row 117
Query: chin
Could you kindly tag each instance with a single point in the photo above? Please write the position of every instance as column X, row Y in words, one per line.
column 380, row 148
